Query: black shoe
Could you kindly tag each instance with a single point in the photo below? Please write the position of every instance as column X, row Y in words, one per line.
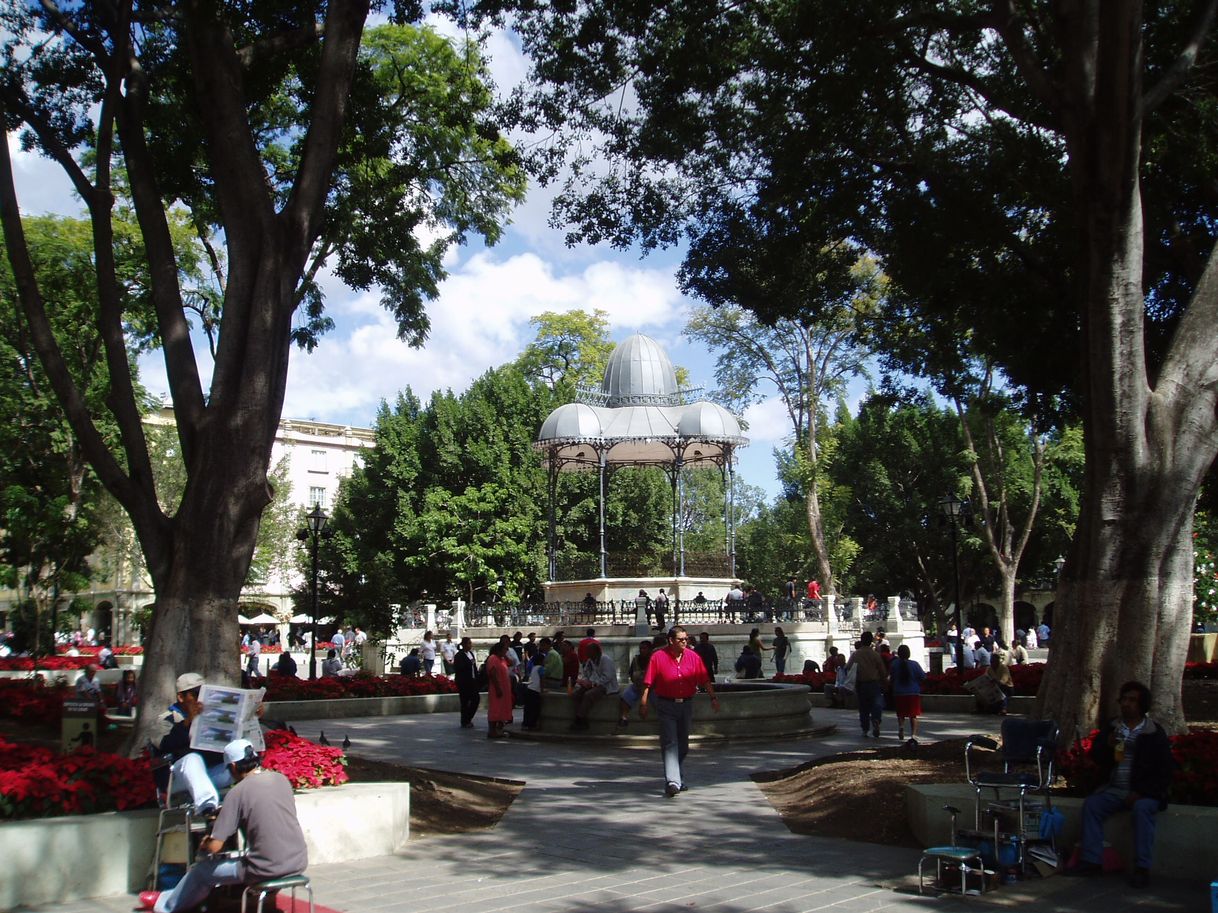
column 1085, row 870
column 683, row 787
column 1140, row 878
column 671, row 789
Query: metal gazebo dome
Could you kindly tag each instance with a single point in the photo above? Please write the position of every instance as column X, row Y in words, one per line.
column 639, row 416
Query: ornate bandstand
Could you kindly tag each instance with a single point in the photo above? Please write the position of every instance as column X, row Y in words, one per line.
column 640, row 417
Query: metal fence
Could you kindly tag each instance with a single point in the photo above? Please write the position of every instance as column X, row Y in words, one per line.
column 555, row 615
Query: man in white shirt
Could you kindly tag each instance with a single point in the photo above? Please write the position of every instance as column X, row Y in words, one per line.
column 448, row 653
column 597, row 677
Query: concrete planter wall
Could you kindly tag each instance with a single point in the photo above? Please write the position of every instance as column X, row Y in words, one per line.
column 58, row 860
column 1186, row 836
column 361, row 706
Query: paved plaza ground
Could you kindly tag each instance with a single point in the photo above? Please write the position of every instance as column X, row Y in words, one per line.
column 592, row 833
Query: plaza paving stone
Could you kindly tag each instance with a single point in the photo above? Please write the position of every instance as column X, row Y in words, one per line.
column 592, row 833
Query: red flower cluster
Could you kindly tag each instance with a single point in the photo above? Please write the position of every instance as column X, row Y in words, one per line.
column 274, row 648
column 93, row 651
column 1025, row 679
column 31, row 700
column 37, row 783
column 815, row 680
column 306, row 764
column 290, row 688
column 1195, row 781
column 25, row 663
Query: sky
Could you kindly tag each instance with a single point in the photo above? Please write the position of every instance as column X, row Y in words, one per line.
column 481, row 317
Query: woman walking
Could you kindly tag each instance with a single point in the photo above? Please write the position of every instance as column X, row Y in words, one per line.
column 907, row 676
column 500, row 698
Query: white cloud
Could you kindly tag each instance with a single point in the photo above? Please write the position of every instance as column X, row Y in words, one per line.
column 768, row 421
column 42, row 186
column 480, row 321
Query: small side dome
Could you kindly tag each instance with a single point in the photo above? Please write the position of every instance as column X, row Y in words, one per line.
column 708, row 422
column 639, row 372
column 574, row 421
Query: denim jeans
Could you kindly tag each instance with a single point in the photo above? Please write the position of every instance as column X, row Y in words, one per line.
column 870, row 695
column 198, row 881
column 674, row 720
column 191, row 775
column 1099, row 806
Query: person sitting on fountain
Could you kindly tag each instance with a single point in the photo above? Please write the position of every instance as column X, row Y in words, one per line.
column 597, row 677
column 748, row 664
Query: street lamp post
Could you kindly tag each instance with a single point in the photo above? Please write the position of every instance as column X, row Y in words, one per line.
column 313, row 532
column 955, row 510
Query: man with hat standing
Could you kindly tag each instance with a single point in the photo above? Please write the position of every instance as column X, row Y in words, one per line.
column 261, row 805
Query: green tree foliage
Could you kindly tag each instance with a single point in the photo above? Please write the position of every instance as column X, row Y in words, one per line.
column 289, row 145
column 49, row 498
column 571, row 349
column 806, row 363
column 1052, row 162
column 448, row 504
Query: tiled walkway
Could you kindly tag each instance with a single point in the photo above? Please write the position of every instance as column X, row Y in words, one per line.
column 591, row 833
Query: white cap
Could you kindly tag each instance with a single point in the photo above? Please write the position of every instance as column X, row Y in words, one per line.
column 238, row 750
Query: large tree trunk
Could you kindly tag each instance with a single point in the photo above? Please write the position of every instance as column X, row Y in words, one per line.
column 1124, row 600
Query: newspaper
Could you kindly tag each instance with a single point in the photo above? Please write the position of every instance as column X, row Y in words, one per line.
column 228, row 714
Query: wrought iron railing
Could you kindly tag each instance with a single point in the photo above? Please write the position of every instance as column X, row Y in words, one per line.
column 555, row 615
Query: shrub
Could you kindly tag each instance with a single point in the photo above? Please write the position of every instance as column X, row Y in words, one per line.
column 289, row 688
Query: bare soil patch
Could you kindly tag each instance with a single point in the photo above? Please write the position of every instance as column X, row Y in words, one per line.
column 859, row 795
column 442, row 802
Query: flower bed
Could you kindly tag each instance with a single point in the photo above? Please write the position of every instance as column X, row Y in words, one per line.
column 38, row 783
column 93, row 651
column 32, row 700
column 1025, row 679
column 50, row 663
column 290, row 688
column 306, row 764
column 1195, row 781
column 275, row 648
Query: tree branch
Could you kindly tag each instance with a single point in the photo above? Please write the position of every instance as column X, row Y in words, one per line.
column 285, row 41
column 1178, row 70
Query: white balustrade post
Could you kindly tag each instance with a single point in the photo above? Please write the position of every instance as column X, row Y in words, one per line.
column 431, row 616
column 894, row 614
column 831, row 616
column 459, row 618
column 856, row 609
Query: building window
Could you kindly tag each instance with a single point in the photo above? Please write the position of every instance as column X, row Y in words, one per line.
column 317, row 496
column 317, row 461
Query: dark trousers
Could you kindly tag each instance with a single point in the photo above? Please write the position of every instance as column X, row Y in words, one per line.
column 871, row 698
column 470, row 698
column 532, row 708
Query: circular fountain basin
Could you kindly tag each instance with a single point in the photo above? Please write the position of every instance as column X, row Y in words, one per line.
column 747, row 710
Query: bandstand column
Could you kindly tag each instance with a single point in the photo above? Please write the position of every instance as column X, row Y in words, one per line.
column 680, row 510
column 604, row 554
column 731, row 511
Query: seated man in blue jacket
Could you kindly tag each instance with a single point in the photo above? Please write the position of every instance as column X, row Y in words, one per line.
column 1134, row 754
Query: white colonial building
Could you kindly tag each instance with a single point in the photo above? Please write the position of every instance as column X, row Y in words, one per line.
column 319, row 454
